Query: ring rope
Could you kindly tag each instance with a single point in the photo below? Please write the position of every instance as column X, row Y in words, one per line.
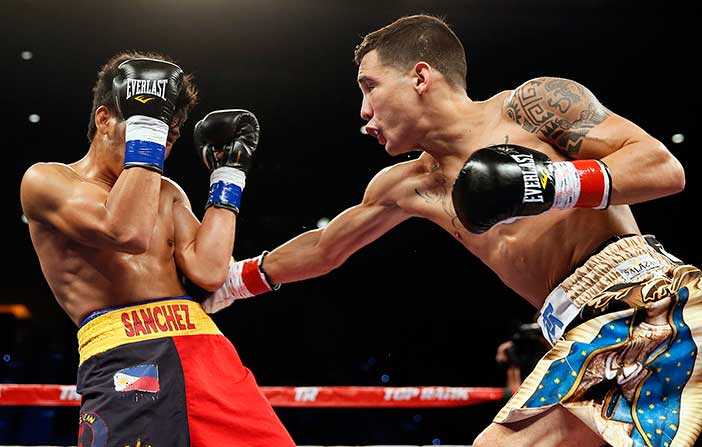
column 295, row 397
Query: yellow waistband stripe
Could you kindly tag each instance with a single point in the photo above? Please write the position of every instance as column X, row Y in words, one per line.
column 156, row 319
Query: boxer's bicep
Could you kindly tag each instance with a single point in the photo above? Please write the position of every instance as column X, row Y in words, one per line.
column 570, row 118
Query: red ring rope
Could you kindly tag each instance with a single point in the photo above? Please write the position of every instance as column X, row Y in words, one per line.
column 289, row 396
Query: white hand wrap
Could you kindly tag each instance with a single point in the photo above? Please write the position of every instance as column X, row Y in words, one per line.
column 227, row 174
column 245, row 279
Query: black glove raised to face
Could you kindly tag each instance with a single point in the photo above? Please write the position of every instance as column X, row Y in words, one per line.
column 145, row 92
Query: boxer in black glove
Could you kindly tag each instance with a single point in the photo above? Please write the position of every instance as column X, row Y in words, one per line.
column 114, row 238
column 611, row 299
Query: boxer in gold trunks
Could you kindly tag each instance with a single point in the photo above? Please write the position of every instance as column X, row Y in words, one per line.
column 557, row 170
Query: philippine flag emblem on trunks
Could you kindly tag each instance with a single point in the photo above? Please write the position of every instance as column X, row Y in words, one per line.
column 137, row 378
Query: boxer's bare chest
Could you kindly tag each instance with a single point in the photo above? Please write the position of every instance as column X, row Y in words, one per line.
column 428, row 195
column 515, row 251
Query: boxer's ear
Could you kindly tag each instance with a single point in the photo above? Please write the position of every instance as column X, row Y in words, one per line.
column 102, row 119
column 423, row 77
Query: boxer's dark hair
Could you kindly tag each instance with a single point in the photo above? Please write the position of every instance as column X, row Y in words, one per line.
column 102, row 91
column 411, row 39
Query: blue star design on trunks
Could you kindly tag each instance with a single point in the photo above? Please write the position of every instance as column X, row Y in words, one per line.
column 647, row 395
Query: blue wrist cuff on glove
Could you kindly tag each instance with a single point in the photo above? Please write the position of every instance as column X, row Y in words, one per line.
column 225, row 195
column 144, row 153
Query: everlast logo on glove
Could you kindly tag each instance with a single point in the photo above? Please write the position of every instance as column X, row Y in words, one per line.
column 156, row 87
column 532, row 186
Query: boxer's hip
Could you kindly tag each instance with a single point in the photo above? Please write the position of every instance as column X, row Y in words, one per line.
column 627, row 332
column 629, row 272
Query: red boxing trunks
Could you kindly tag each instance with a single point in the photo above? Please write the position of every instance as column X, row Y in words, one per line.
column 626, row 330
column 160, row 373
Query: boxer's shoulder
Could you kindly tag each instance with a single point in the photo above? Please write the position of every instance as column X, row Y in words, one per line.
column 392, row 183
column 42, row 179
column 40, row 170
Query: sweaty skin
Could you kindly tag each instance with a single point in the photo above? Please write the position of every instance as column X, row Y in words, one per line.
column 106, row 236
column 558, row 117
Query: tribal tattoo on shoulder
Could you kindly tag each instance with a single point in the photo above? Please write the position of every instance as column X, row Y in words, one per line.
column 438, row 192
column 561, row 111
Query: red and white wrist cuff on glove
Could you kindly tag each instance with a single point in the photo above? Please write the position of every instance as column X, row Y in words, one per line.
column 245, row 279
column 582, row 184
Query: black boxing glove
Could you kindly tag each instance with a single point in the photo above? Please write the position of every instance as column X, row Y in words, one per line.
column 226, row 141
column 145, row 92
column 501, row 183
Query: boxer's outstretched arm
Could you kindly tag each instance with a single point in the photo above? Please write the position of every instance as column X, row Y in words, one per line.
column 123, row 219
column 317, row 252
column 570, row 118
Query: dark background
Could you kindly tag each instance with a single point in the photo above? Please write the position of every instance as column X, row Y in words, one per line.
column 414, row 306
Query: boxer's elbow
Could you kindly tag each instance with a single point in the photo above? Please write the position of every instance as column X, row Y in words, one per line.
column 673, row 173
column 679, row 175
column 209, row 279
column 209, row 284
column 214, row 279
